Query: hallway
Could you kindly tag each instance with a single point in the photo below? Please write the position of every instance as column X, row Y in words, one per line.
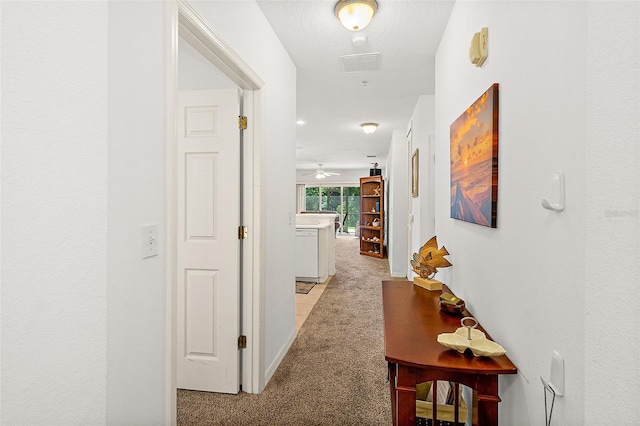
column 334, row 373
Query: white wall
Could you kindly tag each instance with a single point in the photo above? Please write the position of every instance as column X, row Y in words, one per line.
column 195, row 72
column 137, row 288
column 423, row 136
column 83, row 167
column 612, row 212
column 54, row 213
column 422, row 207
column 520, row 278
column 396, row 181
column 243, row 26
column 539, row 281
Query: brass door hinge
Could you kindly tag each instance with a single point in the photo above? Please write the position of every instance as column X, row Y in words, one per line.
column 242, row 232
column 242, row 342
column 242, row 122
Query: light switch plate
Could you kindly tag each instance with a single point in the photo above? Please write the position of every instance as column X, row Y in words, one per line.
column 149, row 240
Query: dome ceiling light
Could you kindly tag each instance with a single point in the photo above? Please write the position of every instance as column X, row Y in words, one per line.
column 369, row 128
column 356, row 14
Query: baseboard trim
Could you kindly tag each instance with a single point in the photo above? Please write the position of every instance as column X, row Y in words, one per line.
column 276, row 362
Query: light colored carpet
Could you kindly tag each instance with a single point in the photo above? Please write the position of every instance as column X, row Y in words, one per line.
column 334, row 373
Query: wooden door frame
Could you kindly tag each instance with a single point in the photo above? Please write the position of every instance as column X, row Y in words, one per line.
column 183, row 20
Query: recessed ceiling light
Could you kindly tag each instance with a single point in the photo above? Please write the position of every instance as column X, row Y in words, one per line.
column 301, row 122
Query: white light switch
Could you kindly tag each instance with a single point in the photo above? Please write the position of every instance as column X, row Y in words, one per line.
column 149, row 240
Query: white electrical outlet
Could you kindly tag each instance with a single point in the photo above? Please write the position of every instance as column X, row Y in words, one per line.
column 149, row 240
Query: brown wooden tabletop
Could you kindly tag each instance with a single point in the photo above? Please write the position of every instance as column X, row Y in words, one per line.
column 412, row 322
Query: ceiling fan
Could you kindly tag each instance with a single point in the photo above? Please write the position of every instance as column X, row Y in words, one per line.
column 321, row 174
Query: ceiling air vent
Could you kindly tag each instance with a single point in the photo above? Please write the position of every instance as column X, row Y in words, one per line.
column 360, row 62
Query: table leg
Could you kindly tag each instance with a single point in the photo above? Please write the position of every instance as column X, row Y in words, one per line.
column 488, row 400
column 392, row 389
column 405, row 396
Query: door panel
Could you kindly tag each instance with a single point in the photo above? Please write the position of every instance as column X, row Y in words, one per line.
column 208, row 246
column 200, row 318
column 200, row 184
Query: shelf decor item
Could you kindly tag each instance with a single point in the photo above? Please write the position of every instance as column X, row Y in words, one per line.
column 426, row 262
column 468, row 338
column 451, row 304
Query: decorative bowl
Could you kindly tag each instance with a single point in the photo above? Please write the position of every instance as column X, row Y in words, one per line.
column 456, row 309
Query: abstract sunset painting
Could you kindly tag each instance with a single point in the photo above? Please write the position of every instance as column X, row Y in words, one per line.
column 474, row 161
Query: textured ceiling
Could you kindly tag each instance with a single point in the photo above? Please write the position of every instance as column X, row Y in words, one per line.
column 405, row 33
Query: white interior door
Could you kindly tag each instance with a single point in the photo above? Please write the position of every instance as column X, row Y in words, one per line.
column 208, row 194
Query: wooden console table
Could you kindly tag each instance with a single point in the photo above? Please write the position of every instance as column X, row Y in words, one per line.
column 412, row 322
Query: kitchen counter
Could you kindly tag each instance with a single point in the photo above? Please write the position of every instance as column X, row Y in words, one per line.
column 324, row 223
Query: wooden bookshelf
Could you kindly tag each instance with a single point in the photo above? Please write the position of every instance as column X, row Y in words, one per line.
column 372, row 216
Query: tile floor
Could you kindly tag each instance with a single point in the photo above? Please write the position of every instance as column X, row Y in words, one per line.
column 305, row 302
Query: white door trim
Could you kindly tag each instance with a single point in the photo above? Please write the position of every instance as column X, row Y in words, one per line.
column 410, row 216
column 183, row 20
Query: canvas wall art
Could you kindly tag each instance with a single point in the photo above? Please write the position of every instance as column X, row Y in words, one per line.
column 474, row 161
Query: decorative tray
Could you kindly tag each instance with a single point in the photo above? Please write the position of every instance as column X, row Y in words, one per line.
column 467, row 337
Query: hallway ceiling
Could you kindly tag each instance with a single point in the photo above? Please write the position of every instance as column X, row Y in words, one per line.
column 334, row 103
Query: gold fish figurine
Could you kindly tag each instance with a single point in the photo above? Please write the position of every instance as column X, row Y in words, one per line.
column 426, row 262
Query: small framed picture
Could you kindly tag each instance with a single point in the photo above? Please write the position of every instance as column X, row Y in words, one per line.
column 414, row 173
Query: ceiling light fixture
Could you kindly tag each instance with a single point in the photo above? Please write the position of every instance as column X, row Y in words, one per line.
column 356, row 14
column 320, row 176
column 369, row 128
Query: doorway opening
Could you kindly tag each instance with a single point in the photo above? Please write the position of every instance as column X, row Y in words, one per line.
column 188, row 34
